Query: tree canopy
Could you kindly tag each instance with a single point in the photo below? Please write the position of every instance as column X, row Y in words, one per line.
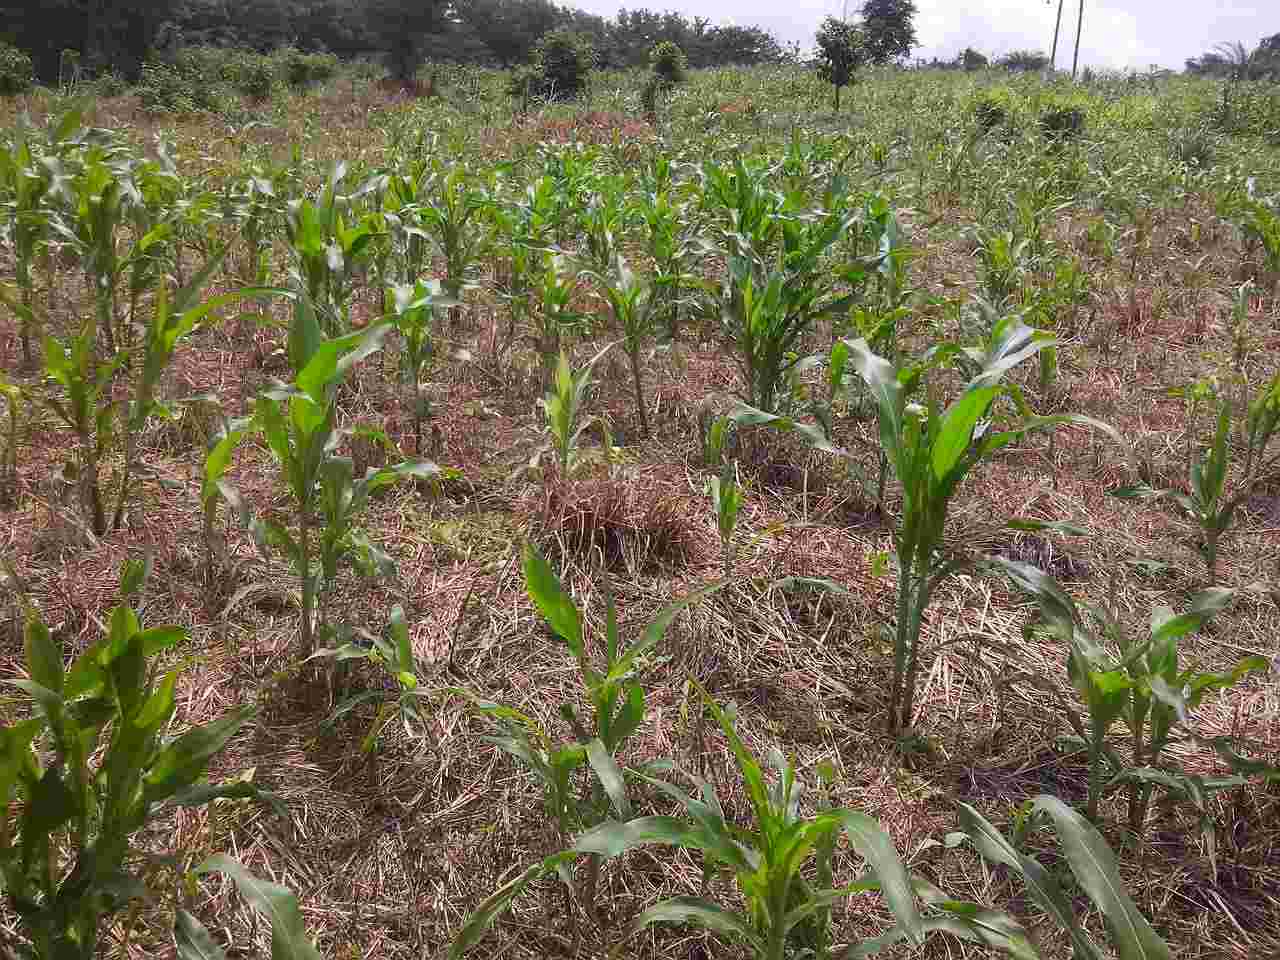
column 120, row 34
column 1237, row 61
column 889, row 29
column 842, row 49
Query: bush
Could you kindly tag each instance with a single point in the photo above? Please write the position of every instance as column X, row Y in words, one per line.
column 17, row 74
column 301, row 70
column 990, row 113
column 1193, row 146
column 668, row 62
column 564, row 61
column 110, row 84
column 971, row 59
column 255, row 76
column 1062, row 123
column 1024, row 61
column 192, row 82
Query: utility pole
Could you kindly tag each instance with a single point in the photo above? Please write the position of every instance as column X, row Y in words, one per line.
column 1075, row 62
column 1057, row 26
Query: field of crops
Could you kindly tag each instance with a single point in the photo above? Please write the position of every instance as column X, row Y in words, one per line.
column 706, row 528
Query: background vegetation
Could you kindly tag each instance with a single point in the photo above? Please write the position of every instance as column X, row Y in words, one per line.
column 695, row 522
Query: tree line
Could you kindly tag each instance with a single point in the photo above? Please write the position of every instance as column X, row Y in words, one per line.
column 119, row 35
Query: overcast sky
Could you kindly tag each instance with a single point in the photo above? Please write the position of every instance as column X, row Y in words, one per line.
column 1117, row 33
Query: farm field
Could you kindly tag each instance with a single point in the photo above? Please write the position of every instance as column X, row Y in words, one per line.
column 841, row 387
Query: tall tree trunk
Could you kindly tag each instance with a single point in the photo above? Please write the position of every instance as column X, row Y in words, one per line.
column 1057, row 27
column 1075, row 62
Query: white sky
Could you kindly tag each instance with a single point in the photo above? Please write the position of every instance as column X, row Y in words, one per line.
column 1117, row 33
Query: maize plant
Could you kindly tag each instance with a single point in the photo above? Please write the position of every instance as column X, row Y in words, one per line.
column 394, row 654
column 1092, row 864
column 632, row 302
column 1143, row 687
column 90, row 769
column 556, row 284
column 214, row 487
column 25, row 181
column 781, row 862
column 454, row 213
column 327, row 250
column 726, row 500
column 617, row 709
column 562, row 409
column 299, row 424
column 767, row 307
column 930, row 451
column 415, row 306
column 14, row 399
column 1212, row 501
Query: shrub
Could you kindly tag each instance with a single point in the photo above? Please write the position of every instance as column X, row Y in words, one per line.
column 842, row 50
column 187, row 85
column 564, row 61
column 1193, row 146
column 301, row 70
column 649, row 93
column 164, row 90
column 971, row 59
column 1062, row 123
column 669, row 62
column 990, row 113
column 16, row 71
column 1024, row 61
column 110, row 84
column 256, row 75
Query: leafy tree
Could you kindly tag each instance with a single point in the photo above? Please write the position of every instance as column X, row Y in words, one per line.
column 971, row 59
column 1024, row 61
column 106, row 33
column 842, row 49
column 510, row 29
column 1236, row 61
column 400, row 27
column 888, row 28
column 564, row 60
column 669, row 62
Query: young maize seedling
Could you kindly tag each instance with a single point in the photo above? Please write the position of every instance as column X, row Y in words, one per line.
column 772, row 860
column 395, row 655
column 1212, row 502
column 1143, row 687
column 562, row 409
column 454, row 214
column 556, row 284
column 1093, row 865
column 90, row 769
column 726, row 500
column 213, row 488
column 13, row 401
column 617, row 709
column 415, row 308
